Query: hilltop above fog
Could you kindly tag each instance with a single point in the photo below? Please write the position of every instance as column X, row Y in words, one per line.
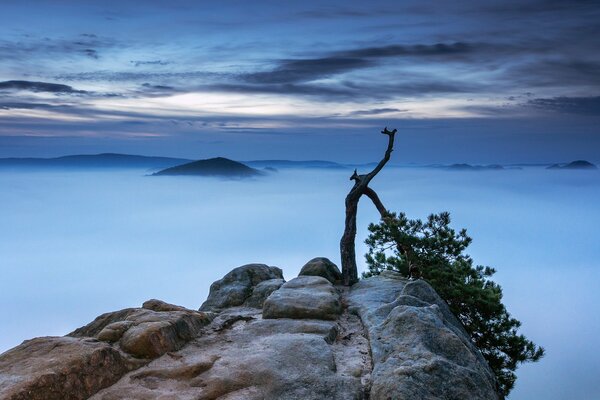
column 258, row 336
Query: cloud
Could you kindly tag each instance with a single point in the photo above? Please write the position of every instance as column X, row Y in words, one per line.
column 338, row 12
column 557, row 73
column 157, row 87
column 32, row 106
column 376, row 111
column 151, row 62
column 568, row 105
column 32, row 48
column 40, row 87
column 126, row 76
column 305, row 70
column 418, row 50
column 91, row 53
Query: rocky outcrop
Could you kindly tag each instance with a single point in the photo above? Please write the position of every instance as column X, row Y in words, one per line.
column 323, row 267
column 420, row 350
column 57, row 368
column 147, row 332
column 260, row 338
column 237, row 287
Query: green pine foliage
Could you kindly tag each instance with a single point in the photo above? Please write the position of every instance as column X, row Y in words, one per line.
column 438, row 251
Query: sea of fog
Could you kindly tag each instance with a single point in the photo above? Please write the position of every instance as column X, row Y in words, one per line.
column 75, row 244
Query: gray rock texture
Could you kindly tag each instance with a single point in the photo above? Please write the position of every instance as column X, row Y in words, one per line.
column 145, row 333
column 57, row 368
column 304, row 297
column 419, row 349
column 323, row 267
column 235, row 288
column 386, row 338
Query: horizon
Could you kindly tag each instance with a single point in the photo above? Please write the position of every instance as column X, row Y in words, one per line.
column 397, row 164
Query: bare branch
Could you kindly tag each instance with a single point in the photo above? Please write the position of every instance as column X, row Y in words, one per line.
column 386, row 157
column 378, row 204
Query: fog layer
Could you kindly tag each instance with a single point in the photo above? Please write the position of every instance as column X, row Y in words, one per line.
column 77, row 244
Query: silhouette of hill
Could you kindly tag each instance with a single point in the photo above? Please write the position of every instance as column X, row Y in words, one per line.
column 212, row 167
column 104, row 160
column 282, row 164
column 469, row 167
column 579, row 164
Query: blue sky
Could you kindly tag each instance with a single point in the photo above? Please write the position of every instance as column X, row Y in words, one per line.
column 493, row 81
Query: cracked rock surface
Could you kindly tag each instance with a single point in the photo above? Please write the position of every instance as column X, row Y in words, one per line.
column 258, row 337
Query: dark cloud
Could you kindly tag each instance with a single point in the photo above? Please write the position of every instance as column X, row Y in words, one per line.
column 88, row 45
column 306, row 70
column 339, row 12
column 157, row 87
column 91, row 53
column 151, row 62
column 125, row 76
column 565, row 72
column 376, row 111
column 568, row 105
column 32, row 106
column 39, row 87
column 284, row 88
column 293, row 71
column 418, row 50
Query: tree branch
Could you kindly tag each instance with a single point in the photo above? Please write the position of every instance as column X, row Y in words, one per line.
column 386, row 157
column 378, row 204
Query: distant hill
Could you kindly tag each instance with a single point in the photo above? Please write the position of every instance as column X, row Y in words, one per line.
column 104, row 160
column 212, row 167
column 579, row 164
column 282, row 164
column 469, row 167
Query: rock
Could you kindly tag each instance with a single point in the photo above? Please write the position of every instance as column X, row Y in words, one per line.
column 237, row 286
column 323, row 267
column 60, row 368
column 262, row 291
column 145, row 333
column 158, row 305
column 419, row 349
column 304, row 297
column 249, row 359
column 113, row 332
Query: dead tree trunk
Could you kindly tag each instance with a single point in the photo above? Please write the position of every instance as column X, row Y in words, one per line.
column 361, row 182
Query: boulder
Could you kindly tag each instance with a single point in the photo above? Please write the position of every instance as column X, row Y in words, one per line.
column 323, row 267
column 262, row 291
column 60, row 368
column 419, row 349
column 145, row 333
column 304, row 297
column 159, row 305
column 237, row 286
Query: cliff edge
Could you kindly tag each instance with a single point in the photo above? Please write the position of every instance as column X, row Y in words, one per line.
column 260, row 337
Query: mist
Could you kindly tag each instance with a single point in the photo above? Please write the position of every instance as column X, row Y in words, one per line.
column 75, row 244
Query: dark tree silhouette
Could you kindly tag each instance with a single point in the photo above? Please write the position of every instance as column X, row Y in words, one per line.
column 361, row 182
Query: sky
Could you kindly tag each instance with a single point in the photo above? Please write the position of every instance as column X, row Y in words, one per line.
column 487, row 82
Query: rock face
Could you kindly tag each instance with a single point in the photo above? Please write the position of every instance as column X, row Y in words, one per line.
column 260, row 338
column 55, row 368
column 322, row 266
column 144, row 332
column 420, row 350
column 237, row 287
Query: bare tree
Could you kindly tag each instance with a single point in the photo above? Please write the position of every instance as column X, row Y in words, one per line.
column 361, row 182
